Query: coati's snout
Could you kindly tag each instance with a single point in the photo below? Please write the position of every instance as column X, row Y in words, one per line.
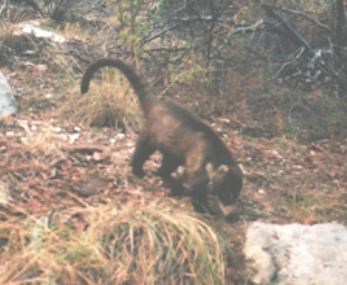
column 226, row 182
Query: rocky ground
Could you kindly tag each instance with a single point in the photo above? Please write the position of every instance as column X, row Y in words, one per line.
column 50, row 162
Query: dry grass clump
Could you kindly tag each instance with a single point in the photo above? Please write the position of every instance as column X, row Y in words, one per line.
column 53, row 256
column 135, row 243
column 43, row 141
column 74, row 30
column 12, row 43
column 6, row 29
column 110, row 102
column 158, row 244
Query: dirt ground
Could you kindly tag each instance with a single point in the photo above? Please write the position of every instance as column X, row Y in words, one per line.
column 50, row 162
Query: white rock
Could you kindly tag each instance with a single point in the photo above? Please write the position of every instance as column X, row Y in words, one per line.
column 297, row 254
column 8, row 104
column 32, row 27
column 5, row 195
column 73, row 137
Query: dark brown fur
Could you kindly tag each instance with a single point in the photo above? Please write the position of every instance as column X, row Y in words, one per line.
column 183, row 139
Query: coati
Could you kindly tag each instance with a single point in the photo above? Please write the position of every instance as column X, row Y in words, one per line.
column 183, row 139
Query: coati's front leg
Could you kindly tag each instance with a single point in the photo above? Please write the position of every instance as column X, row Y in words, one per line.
column 199, row 199
column 142, row 152
column 196, row 180
column 168, row 166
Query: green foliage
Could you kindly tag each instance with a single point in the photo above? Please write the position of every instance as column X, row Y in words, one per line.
column 133, row 24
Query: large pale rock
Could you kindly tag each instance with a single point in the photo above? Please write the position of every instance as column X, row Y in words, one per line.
column 33, row 27
column 297, row 254
column 8, row 105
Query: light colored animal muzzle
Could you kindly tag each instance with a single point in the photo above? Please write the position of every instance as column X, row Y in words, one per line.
column 226, row 210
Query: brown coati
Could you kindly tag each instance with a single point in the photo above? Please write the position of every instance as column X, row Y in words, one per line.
column 183, row 139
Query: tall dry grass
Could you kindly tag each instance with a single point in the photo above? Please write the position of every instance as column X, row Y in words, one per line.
column 109, row 102
column 135, row 243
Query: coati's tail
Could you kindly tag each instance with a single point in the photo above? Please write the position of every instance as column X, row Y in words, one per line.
column 130, row 74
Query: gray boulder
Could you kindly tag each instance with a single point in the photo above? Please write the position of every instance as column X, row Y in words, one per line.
column 296, row 254
column 8, row 104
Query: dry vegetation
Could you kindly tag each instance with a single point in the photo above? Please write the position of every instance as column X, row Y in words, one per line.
column 110, row 102
column 133, row 243
column 71, row 212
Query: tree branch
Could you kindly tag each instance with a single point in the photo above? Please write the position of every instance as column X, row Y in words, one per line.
column 340, row 27
column 293, row 34
column 307, row 17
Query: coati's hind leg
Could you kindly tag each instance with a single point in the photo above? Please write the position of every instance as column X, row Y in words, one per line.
column 142, row 152
column 168, row 166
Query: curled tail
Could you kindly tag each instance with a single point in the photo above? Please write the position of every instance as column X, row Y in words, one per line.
column 130, row 74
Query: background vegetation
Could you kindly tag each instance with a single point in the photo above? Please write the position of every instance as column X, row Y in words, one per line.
column 269, row 76
column 280, row 62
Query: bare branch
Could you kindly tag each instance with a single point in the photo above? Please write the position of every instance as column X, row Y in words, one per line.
column 307, row 17
column 160, row 33
column 288, row 63
column 340, row 27
column 292, row 33
column 249, row 29
column 164, row 49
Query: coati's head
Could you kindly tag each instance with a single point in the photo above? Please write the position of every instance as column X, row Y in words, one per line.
column 226, row 182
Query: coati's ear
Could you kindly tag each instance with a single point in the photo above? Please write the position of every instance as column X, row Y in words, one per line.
column 223, row 169
column 211, row 172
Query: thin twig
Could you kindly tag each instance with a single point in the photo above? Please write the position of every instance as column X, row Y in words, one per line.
column 307, row 17
column 249, row 29
column 299, row 54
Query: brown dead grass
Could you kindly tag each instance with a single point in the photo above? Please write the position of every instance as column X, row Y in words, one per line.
column 110, row 102
column 75, row 31
column 6, row 29
column 44, row 141
column 135, row 243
